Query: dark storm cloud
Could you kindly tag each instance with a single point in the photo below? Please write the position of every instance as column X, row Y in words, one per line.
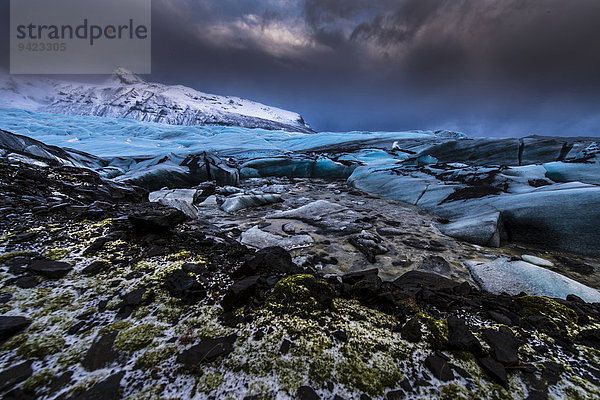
column 488, row 67
column 549, row 41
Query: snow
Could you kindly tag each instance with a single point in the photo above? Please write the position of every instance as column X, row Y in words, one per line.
column 125, row 95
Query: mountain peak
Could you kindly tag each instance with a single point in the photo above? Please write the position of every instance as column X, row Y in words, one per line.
column 125, row 77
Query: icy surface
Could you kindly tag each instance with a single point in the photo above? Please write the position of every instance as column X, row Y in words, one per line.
column 515, row 277
column 240, row 202
column 260, row 239
column 181, row 199
column 111, row 137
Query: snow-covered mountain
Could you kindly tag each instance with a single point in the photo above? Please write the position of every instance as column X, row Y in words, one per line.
column 126, row 95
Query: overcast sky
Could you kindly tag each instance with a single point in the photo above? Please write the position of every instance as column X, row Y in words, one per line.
column 483, row 67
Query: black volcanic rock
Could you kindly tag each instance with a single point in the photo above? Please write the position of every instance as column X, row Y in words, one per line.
column 27, row 282
column 206, row 351
column 504, row 344
column 439, row 367
column 101, row 353
column 240, row 292
column 10, row 326
column 14, row 375
column 50, row 269
column 307, row 393
column 589, row 337
column 110, row 388
column 184, row 287
column 419, row 279
column 495, row 370
column 159, row 222
column 460, row 337
column 96, row 267
column 268, row 261
column 412, row 331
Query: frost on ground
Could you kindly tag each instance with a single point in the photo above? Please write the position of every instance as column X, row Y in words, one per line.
column 107, row 295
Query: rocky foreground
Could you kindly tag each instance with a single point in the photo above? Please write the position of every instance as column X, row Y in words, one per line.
column 276, row 288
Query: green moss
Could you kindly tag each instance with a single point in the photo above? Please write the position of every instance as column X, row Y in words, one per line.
column 141, row 312
column 437, row 329
column 369, row 361
column 452, row 392
column 144, row 266
column 153, row 357
column 4, row 238
column 150, row 392
column 553, row 310
column 370, row 376
column 49, row 301
column 183, row 255
column 38, row 380
column 581, row 389
column 56, row 254
column 299, row 294
column 209, row 382
column 321, row 368
column 73, row 354
column 170, row 310
column 14, row 342
column 41, row 346
column 136, row 338
column 204, row 324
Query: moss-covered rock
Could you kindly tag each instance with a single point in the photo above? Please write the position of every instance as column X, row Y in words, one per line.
column 38, row 380
column 300, row 294
column 40, row 346
column 558, row 313
column 153, row 357
column 183, row 255
column 137, row 337
column 56, row 254
column 437, row 329
column 14, row 342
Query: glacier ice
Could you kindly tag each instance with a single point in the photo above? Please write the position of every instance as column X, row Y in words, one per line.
column 260, row 239
column 237, row 203
column 515, row 277
column 181, row 199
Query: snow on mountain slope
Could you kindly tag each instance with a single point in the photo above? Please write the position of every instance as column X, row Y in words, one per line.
column 126, row 95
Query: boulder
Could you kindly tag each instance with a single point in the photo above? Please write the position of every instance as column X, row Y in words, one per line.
column 268, row 261
column 504, row 344
column 10, row 325
column 307, row 393
column 460, row 337
column 110, row 388
column 158, row 222
column 50, row 269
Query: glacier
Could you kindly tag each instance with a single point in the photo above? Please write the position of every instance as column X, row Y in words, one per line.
column 490, row 191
